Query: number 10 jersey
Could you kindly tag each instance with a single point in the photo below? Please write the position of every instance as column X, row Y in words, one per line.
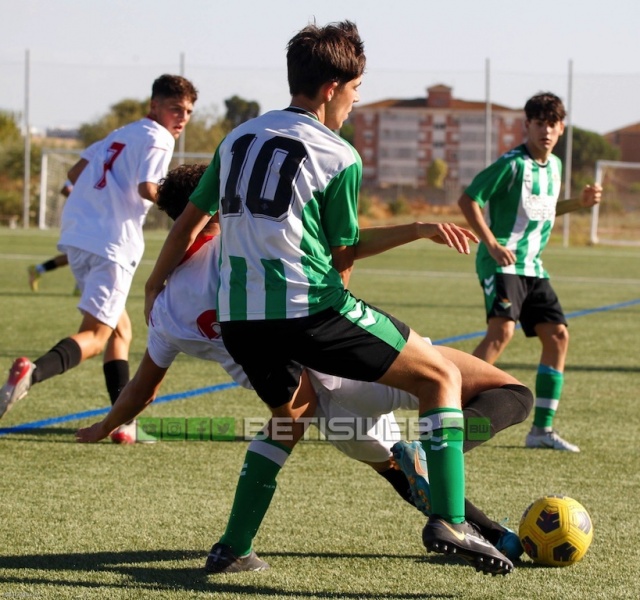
column 287, row 189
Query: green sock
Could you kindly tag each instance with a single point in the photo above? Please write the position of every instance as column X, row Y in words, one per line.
column 548, row 390
column 441, row 434
column 254, row 491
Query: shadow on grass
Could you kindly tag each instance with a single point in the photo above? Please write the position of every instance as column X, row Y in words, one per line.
column 153, row 577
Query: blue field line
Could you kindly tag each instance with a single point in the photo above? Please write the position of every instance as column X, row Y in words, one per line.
column 87, row 414
column 225, row 386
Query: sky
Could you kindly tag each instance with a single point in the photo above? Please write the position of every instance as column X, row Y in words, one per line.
column 86, row 55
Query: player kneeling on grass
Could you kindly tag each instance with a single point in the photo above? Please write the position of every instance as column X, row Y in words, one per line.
column 183, row 319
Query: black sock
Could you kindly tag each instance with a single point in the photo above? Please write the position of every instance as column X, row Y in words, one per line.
column 502, row 407
column 65, row 355
column 50, row 265
column 116, row 376
column 488, row 528
column 399, row 482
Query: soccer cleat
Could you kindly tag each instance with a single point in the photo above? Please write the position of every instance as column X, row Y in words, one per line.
column 17, row 385
column 130, row 433
column 509, row 544
column 221, row 559
column 411, row 459
column 34, row 277
column 549, row 439
column 464, row 540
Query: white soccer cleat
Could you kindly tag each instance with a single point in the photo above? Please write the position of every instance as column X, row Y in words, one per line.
column 125, row 434
column 130, row 433
column 549, row 439
column 17, row 385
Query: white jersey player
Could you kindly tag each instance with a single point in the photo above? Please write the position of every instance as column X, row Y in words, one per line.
column 114, row 185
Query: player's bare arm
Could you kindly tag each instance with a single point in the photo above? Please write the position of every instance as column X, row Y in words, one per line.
column 74, row 172
column 374, row 240
column 590, row 196
column 181, row 236
column 148, row 190
column 473, row 214
column 134, row 398
column 343, row 258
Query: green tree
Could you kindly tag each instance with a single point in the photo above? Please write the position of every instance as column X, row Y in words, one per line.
column 9, row 128
column 588, row 147
column 348, row 132
column 437, row 173
column 121, row 113
column 205, row 131
column 240, row 110
column 12, row 165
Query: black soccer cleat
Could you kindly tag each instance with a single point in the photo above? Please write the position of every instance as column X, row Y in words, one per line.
column 465, row 541
column 221, row 559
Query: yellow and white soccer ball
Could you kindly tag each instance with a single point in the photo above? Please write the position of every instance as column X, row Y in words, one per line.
column 556, row 531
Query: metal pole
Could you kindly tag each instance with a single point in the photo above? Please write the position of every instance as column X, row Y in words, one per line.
column 568, row 157
column 487, row 115
column 183, row 136
column 27, row 147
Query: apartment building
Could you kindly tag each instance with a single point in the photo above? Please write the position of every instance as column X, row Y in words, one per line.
column 399, row 139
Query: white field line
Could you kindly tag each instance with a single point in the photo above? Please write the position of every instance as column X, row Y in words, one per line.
column 408, row 273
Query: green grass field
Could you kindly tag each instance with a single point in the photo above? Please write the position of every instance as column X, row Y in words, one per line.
column 104, row 521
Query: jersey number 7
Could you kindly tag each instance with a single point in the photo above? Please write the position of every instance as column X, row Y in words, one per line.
column 112, row 153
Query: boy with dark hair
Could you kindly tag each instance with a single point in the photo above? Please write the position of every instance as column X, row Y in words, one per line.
column 520, row 191
column 286, row 188
column 184, row 319
column 114, row 185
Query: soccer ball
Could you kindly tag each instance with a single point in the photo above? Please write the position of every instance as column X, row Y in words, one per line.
column 556, row 531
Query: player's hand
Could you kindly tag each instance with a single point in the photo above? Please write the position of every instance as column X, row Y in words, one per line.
column 591, row 195
column 503, row 256
column 92, row 434
column 449, row 234
column 150, row 296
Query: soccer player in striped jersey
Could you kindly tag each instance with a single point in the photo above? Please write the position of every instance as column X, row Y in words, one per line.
column 286, row 188
column 356, row 417
column 520, row 192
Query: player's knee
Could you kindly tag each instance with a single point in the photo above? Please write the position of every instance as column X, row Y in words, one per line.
column 522, row 401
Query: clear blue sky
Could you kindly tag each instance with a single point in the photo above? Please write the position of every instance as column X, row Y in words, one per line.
column 87, row 54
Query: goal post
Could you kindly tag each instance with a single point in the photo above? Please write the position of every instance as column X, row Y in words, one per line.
column 615, row 220
column 56, row 162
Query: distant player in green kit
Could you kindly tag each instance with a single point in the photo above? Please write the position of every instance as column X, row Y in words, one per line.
column 521, row 191
column 286, row 188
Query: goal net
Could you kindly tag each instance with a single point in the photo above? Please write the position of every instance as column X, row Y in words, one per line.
column 55, row 165
column 616, row 220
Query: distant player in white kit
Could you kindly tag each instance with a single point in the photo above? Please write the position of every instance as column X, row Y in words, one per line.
column 114, row 185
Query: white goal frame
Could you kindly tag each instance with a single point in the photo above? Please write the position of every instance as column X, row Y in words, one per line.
column 52, row 180
column 595, row 211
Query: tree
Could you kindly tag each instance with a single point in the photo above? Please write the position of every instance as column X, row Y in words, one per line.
column 240, row 110
column 347, row 132
column 121, row 113
column 588, row 147
column 9, row 128
column 437, row 173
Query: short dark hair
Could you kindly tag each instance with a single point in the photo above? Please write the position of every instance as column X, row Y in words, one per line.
column 173, row 86
column 317, row 55
column 174, row 190
column 546, row 107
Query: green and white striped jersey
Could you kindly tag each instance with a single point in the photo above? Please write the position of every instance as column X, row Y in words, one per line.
column 287, row 189
column 521, row 195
